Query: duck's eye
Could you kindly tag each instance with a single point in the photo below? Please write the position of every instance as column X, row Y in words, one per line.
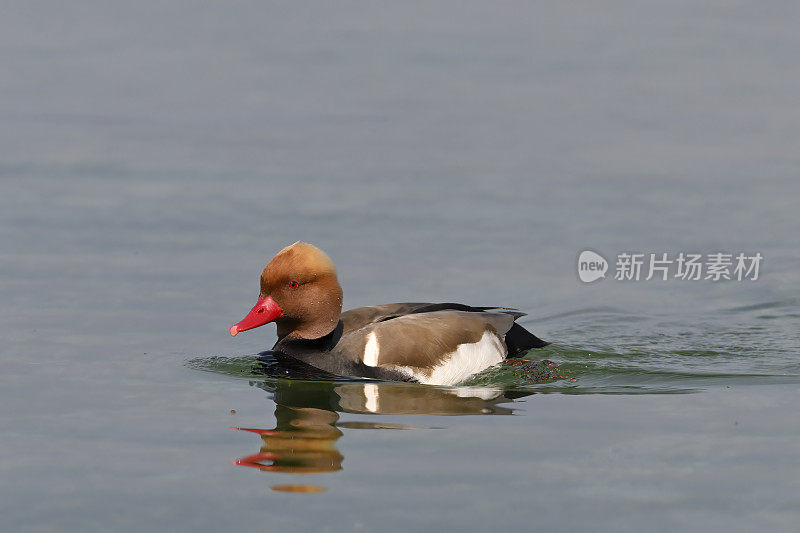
column 293, row 284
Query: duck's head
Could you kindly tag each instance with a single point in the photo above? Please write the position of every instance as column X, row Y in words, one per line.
column 299, row 292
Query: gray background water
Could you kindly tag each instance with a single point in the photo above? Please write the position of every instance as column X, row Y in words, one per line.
column 153, row 156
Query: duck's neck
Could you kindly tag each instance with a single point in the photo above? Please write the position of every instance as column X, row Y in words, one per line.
column 299, row 347
column 295, row 329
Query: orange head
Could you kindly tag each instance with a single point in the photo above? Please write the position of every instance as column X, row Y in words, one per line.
column 299, row 292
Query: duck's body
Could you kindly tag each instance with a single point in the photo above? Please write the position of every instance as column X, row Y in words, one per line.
column 438, row 344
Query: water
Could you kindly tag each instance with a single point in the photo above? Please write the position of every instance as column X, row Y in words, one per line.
column 153, row 157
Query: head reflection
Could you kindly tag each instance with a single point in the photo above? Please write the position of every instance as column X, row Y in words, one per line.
column 307, row 407
column 303, row 442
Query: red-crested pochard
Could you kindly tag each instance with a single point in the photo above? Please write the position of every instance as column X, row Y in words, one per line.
column 436, row 344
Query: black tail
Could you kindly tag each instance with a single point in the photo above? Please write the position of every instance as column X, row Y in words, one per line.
column 519, row 340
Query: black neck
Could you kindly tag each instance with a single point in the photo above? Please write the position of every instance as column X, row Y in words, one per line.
column 301, row 348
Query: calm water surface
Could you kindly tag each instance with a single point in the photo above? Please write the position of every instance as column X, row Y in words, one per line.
column 154, row 156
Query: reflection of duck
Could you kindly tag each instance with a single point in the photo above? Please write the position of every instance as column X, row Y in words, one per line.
column 438, row 344
column 408, row 399
column 310, row 387
column 303, row 442
column 307, row 417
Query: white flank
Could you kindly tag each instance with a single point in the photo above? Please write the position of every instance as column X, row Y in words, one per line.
column 466, row 360
column 371, row 350
column 371, row 397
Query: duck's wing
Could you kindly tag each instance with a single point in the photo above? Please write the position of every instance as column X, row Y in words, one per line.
column 518, row 339
column 435, row 347
column 362, row 316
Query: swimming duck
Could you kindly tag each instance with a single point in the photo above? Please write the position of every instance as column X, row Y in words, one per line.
column 431, row 343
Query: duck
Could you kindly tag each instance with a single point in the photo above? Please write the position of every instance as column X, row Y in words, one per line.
column 422, row 342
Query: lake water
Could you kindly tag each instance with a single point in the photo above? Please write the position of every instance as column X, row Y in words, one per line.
column 154, row 156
